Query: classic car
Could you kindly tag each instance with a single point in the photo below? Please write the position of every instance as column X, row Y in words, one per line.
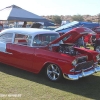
column 35, row 50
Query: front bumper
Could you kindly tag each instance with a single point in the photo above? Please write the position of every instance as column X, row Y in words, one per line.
column 82, row 74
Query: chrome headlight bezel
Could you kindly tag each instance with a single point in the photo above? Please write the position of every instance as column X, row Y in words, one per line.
column 87, row 57
column 98, row 57
column 74, row 62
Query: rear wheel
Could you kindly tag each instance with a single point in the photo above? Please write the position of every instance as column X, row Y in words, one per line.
column 53, row 72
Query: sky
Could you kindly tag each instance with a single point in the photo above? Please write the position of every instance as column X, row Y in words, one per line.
column 56, row 7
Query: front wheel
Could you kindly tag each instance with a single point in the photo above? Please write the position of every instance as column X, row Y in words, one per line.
column 53, row 72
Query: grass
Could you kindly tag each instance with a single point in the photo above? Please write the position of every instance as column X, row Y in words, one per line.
column 17, row 84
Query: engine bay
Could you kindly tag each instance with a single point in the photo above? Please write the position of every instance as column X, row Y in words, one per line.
column 68, row 49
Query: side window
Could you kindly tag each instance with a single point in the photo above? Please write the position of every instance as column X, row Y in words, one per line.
column 44, row 39
column 7, row 37
column 22, row 39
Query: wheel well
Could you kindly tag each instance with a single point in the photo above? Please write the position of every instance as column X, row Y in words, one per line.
column 43, row 68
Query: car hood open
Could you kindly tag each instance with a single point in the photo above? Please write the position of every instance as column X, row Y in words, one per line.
column 73, row 35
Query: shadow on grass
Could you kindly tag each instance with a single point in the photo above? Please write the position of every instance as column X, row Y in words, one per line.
column 88, row 87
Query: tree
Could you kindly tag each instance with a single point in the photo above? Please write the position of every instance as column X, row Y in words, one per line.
column 56, row 19
column 77, row 18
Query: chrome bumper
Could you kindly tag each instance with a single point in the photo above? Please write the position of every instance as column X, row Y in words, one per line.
column 82, row 74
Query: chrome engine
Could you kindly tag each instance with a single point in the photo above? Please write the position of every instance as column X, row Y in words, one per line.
column 68, row 49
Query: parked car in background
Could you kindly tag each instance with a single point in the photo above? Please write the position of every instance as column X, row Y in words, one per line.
column 93, row 37
column 35, row 50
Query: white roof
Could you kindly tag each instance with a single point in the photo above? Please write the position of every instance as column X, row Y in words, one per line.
column 30, row 31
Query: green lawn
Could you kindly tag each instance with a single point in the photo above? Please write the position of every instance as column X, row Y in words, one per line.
column 16, row 84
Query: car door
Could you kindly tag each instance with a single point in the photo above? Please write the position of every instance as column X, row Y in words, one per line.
column 22, row 53
column 22, row 56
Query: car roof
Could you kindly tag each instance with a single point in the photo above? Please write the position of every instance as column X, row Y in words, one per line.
column 30, row 31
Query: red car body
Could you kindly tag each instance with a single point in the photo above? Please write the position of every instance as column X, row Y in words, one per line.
column 36, row 49
column 73, row 35
column 90, row 38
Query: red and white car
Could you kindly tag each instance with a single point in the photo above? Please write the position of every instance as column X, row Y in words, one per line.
column 38, row 49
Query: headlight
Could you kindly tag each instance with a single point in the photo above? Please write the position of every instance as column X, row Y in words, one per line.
column 74, row 62
column 87, row 57
column 98, row 57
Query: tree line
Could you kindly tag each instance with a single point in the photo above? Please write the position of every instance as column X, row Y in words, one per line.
column 58, row 19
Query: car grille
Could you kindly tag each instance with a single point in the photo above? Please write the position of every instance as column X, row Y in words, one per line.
column 82, row 59
column 84, row 65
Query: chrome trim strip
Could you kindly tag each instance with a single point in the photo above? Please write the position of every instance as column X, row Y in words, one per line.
column 82, row 74
column 96, row 63
column 84, row 69
column 81, row 57
column 79, row 63
column 8, row 53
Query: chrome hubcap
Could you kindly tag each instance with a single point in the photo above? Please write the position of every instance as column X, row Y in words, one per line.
column 53, row 72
